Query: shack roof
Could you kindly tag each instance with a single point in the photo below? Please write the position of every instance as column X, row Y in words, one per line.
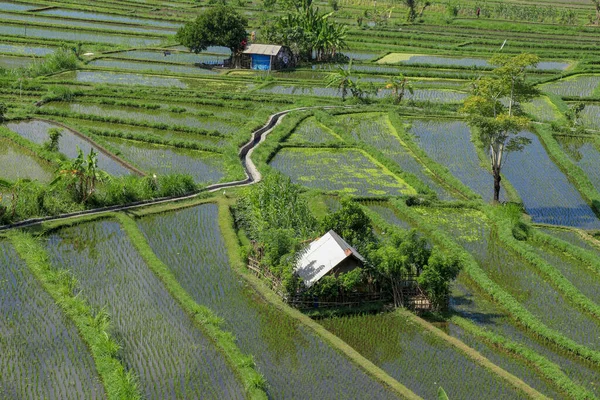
column 323, row 255
column 264, row 49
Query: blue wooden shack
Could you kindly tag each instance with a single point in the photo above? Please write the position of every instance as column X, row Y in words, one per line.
column 267, row 57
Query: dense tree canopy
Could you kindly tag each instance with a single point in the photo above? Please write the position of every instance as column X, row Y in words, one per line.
column 492, row 109
column 305, row 31
column 220, row 26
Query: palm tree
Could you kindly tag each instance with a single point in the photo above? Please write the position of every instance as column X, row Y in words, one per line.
column 342, row 79
column 399, row 84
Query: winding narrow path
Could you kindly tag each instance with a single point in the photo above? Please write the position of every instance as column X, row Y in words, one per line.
column 245, row 153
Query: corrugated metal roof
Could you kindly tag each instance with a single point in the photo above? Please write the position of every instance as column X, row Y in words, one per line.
column 264, row 49
column 323, row 255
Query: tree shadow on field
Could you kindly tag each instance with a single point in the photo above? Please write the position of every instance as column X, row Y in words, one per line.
column 464, row 306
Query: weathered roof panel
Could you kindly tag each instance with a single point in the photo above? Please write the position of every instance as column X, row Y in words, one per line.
column 323, row 255
column 264, row 49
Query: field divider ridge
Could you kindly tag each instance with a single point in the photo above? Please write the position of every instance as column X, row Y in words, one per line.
column 93, row 328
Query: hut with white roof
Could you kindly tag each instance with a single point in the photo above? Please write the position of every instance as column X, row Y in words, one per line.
column 330, row 254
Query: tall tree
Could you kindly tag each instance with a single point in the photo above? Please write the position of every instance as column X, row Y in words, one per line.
column 492, row 109
column 597, row 6
column 219, row 26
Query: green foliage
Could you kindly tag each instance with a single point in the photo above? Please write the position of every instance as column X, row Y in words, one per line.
column 497, row 125
column 304, row 29
column 442, row 394
column 352, row 224
column 60, row 93
column 435, row 280
column 3, row 110
column 219, row 26
column 61, row 60
column 275, row 203
column 81, row 175
column 54, row 135
column 276, row 217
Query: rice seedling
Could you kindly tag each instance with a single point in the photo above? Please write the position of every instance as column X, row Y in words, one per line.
column 176, row 56
column 582, row 277
column 76, row 35
column 41, row 353
column 9, row 6
column 590, row 116
column 348, row 171
column 144, row 133
column 17, row 162
column 449, row 144
column 295, row 362
column 444, row 61
column 95, row 16
column 360, row 55
column 311, row 131
column 472, row 306
column 416, row 358
column 118, row 78
column 37, row 19
column 377, row 131
column 25, row 50
column 203, row 166
column 154, row 67
column 584, row 153
column 160, row 117
column 572, row 237
column 514, row 274
column 68, row 144
column 574, row 86
column 160, row 343
column 542, row 109
column 516, row 366
column 14, row 62
column 547, row 194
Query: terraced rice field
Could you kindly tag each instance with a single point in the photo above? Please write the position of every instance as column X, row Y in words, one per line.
column 96, row 16
column 76, row 35
column 160, row 343
column 116, row 78
column 173, row 57
column 473, row 306
column 151, row 67
column 349, row 171
column 378, row 132
column 69, row 143
column 416, row 358
column 449, row 144
column 548, row 195
column 311, row 131
column 542, row 109
column 37, row 19
column 575, row 86
column 41, row 353
column 140, row 115
column 516, row 276
column 25, row 50
column 583, row 151
column 17, row 162
column 295, row 362
column 203, row 166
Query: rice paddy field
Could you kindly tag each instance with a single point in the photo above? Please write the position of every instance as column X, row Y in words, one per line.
column 53, row 362
column 188, row 320
column 170, row 354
